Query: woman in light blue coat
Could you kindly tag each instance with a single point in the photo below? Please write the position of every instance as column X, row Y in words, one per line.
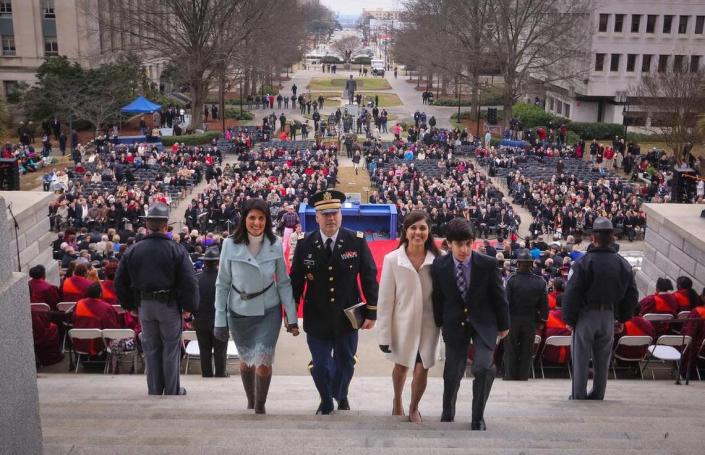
column 251, row 288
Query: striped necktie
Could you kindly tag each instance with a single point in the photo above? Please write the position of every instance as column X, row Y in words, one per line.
column 460, row 278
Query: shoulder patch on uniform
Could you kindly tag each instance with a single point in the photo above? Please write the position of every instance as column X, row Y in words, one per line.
column 360, row 235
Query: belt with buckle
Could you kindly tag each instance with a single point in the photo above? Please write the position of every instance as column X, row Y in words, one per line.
column 249, row 296
column 162, row 295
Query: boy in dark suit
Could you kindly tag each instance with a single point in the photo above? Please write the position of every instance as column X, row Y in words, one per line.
column 469, row 303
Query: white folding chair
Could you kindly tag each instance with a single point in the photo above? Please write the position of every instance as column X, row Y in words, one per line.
column 119, row 309
column 534, row 351
column 114, row 334
column 558, row 341
column 666, row 350
column 658, row 317
column 39, row 307
column 65, row 306
column 683, row 314
column 192, row 349
column 633, row 341
column 701, row 356
column 83, row 334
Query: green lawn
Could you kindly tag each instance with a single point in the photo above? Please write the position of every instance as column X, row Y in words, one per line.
column 363, row 83
column 385, row 99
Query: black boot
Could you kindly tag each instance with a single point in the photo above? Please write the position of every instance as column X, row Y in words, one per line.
column 248, row 382
column 261, row 390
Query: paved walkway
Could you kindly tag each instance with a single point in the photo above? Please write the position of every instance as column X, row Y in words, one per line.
column 99, row 414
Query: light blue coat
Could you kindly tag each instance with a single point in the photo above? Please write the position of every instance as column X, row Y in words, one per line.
column 250, row 275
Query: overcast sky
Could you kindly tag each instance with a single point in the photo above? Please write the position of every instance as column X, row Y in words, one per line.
column 356, row 6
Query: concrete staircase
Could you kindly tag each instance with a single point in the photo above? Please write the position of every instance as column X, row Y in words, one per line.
column 87, row 414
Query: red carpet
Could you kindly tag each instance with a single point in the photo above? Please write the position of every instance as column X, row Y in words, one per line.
column 380, row 248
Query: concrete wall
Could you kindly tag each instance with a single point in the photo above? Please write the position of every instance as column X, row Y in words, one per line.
column 20, row 429
column 675, row 245
column 34, row 235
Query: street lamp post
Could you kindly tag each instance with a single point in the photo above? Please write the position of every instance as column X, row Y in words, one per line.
column 457, row 89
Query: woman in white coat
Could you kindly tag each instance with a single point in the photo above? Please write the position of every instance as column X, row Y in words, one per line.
column 406, row 330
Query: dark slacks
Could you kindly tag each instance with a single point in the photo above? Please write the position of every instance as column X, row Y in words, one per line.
column 212, row 350
column 161, row 341
column 333, row 366
column 592, row 338
column 518, row 347
column 482, row 369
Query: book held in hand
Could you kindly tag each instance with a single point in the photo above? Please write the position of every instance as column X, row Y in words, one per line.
column 354, row 314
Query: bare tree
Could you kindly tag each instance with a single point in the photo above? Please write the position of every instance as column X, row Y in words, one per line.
column 537, row 38
column 674, row 100
column 347, row 46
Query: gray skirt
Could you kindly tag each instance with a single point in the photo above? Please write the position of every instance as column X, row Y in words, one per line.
column 256, row 336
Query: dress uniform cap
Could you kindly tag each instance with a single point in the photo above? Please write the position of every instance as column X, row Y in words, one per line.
column 328, row 201
column 524, row 256
column 211, row 254
column 157, row 211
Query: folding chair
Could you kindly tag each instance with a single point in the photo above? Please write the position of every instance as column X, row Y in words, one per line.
column 119, row 309
column 701, row 356
column 534, row 351
column 114, row 334
column 65, row 306
column 557, row 341
column 633, row 341
column 192, row 349
column 83, row 334
column 658, row 317
column 39, row 307
column 666, row 350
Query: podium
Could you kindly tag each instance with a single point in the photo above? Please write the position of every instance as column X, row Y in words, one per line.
column 358, row 217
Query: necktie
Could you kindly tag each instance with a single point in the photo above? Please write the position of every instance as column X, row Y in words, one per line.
column 460, row 278
column 329, row 247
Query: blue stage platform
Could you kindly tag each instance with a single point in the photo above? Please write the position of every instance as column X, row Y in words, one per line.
column 512, row 143
column 364, row 217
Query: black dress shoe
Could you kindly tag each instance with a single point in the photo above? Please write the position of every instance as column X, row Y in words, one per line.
column 343, row 405
column 224, row 375
column 446, row 418
column 323, row 412
column 182, row 391
column 478, row 425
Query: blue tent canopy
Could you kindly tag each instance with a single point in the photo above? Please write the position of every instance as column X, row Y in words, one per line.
column 141, row 105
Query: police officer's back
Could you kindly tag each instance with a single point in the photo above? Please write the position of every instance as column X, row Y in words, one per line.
column 528, row 308
column 156, row 277
column 601, row 289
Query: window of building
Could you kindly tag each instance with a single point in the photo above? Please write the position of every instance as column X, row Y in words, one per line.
column 636, row 22
column 662, row 63
column 699, row 25
column 694, row 63
column 559, row 107
column 614, row 62
column 646, row 63
column 603, row 22
column 48, row 9
column 631, row 62
column 5, row 8
column 51, row 46
column 683, row 24
column 10, row 88
column 618, row 23
column 8, row 45
column 667, row 23
column 651, row 23
column 550, row 104
column 678, row 62
column 599, row 62
column 566, row 110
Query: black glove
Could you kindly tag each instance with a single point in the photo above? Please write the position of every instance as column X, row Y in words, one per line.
column 385, row 348
column 221, row 333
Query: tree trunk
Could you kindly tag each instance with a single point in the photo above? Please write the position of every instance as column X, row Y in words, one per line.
column 199, row 91
column 475, row 84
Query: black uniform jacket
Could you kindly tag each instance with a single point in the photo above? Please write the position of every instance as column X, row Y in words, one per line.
column 156, row 263
column 330, row 286
column 485, row 305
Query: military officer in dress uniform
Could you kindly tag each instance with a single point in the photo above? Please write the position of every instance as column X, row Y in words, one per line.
column 156, row 277
column 528, row 308
column 325, row 272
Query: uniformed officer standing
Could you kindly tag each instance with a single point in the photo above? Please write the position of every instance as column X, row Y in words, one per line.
column 600, row 289
column 528, row 308
column 156, row 276
column 324, row 271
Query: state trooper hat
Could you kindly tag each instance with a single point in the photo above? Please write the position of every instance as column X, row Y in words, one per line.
column 157, row 211
column 211, row 254
column 524, row 256
column 602, row 224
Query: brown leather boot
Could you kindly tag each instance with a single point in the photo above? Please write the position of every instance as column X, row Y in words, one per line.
column 248, row 382
column 261, row 390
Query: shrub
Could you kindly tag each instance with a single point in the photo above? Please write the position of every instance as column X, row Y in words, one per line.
column 451, row 102
column 191, row 139
column 234, row 113
column 590, row 130
column 532, row 116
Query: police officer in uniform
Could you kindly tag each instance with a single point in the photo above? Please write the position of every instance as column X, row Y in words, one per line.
column 325, row 271
column 528, row 307
column 156, row 277
column 600, row 289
